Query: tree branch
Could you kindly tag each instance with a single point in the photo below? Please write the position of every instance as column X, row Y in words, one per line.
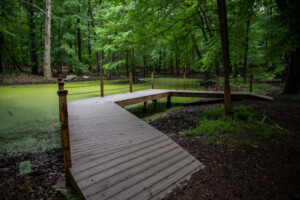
column 33, row 6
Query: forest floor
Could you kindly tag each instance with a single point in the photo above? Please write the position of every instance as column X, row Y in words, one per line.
column 269, row 170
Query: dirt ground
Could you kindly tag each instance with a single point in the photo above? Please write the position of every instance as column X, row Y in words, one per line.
column 266, row 171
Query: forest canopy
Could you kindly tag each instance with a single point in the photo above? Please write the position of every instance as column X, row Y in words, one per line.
column 172, row 37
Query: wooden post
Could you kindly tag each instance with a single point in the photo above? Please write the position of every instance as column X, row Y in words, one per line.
column 251, row 80
column 152, row 76
column 63, row 111
column 184, row 76
column 154, row 103
column 60, row 84
column 169, row 104
column 26, row 186
column 217, row 82
column 145, row 109
column 130, row 82
column 101, row 84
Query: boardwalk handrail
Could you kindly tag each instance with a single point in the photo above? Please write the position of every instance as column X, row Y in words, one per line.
column 183, row 81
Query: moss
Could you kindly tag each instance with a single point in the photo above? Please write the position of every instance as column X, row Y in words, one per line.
column 29, row 113
column 242, row 127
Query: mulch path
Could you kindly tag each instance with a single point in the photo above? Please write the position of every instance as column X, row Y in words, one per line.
column 47, row 170
column 264, row 171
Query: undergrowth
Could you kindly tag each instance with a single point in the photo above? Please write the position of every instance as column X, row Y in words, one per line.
column 242, row 127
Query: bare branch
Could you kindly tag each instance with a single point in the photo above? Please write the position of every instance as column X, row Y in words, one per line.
column 33, row 6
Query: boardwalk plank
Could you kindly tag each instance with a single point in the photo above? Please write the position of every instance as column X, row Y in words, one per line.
column 134, row 180
column 95, row 167
column 122, row 171
column 116, row 154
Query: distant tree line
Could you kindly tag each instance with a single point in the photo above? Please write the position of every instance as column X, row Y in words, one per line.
column 172, row 37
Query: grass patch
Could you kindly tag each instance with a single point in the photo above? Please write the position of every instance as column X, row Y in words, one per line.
column 261, row 88
column 160, row 110
column 289, row 96
column 233, row 82
column 242, row 127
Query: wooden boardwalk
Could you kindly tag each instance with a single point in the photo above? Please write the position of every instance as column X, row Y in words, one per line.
column 115, row 155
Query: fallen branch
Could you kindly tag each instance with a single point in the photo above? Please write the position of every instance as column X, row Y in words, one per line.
column 264, row 119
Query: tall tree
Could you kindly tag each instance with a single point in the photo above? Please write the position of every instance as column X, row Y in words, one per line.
column 47, row 50
column 290, row 11
column 225, row 51
column 33, row 51
column 246, row 48
column 79, row 35
column 1, row 51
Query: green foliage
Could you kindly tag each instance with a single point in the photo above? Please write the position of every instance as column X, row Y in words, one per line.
column 261, row 88
column 234, row 82
column 162, row 35
column 242, row 127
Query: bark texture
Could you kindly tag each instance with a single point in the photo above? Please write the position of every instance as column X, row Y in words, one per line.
column 225, row 50
column 47, row 50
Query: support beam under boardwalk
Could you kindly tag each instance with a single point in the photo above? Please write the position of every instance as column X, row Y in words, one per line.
column 116, row 155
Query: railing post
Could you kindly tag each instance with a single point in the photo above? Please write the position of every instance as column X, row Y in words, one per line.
column 251, row 81
column 184, row 77
column 154, row 104
column 145, row 109
column 130, row 82
column 101, row 84
column 217, row 82
column 63, row 112
column 60, row 83
column 169, row 104
column 152, row 76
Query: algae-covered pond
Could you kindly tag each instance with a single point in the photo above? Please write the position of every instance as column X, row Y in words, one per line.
column 29, row 113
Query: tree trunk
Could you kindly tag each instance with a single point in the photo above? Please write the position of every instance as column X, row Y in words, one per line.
column 98, row 63
column 292, row 85
column 127, row 63
column 47, row 51
column 188, row 64
column 1, row 51
column 133, row 67
column 79, row 36
column 246, row 49
column 206, row 22
column 101, row 62
column 33, row 52
column 159, row 63
column 202, row 26
column 290, row 10
column 195, row 46
column 235, row 71
column 177, row 64
column 145, row 64
column 225, row 50
column 89, row 47
column 89, row 32
column 171, row 66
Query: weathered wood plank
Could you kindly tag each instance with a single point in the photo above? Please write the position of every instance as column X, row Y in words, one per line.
column 119, row 152
column 97, row 166
column 167, row 183
column 157, row 171
column 113, row 175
